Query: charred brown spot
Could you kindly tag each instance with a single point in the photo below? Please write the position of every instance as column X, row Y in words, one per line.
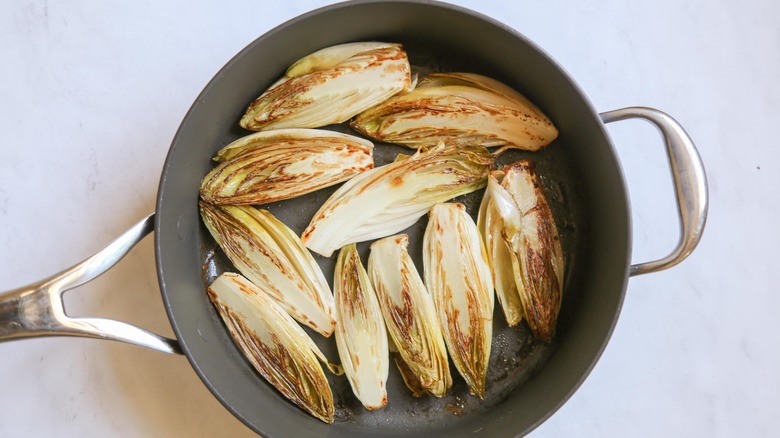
column 381, row 404
column 308, row 231
column 394, row 67
column 525, row 165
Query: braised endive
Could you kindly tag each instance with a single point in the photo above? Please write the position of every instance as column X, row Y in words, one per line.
column 458, row 279
column 272, row 256
column 410, row 317
column 387, row 199
column 330, row 86
column 458, row 108
column 534, row 247
column 274, row 165
column 361, row 337
column 498, row 256
column 274, row 343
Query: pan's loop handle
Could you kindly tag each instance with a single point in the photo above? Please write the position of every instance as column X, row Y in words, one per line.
column 690, row 182
column 37, row 310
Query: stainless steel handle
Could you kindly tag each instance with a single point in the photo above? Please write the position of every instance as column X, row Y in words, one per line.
column 37, row 310
column 690, row 182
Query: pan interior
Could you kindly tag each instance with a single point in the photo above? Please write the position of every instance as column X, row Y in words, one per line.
column 527, row 380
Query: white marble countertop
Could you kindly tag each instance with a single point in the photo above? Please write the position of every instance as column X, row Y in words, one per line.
column 91, row 94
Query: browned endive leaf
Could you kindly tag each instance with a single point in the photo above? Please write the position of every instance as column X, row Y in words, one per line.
column 272, row 256
column 458, row 279
column 274, row 344
column 410, row 317
column 534, row 245
column 491, row 226
column 361, row 337
column 330, row 86
column 458, row 108
column 390, row 198
column 275, row 165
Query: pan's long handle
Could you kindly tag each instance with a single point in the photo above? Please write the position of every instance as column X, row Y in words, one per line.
column 690, row 182
column 37, row 310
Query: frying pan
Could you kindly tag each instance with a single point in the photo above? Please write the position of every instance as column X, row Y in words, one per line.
column 528, row 381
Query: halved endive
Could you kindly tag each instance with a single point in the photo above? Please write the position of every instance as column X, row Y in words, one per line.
column 388, row 199
column 458, row 279
column 275, row 344
column 533, row 244
column 274, row 165
column 490, row 225
column 458, row 108
column 272, row 256
column 361, row 337
column 330, row 86
column 410, row 317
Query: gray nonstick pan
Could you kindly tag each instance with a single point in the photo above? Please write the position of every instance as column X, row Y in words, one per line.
column 581, row 174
